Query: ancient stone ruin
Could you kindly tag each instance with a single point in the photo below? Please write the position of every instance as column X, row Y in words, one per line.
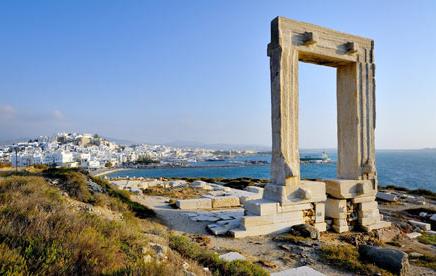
column 349, row 200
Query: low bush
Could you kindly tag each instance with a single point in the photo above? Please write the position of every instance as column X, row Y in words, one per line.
column 139, row 210
column 5, row 165
column 210, row 259
column 427, row 239
column 346, row 257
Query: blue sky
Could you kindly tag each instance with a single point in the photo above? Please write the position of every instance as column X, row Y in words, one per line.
column 162, row 71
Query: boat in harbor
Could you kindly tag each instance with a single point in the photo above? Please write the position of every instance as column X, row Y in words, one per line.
column 324, row 158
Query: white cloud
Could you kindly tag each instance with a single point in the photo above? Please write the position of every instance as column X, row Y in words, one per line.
column 58, row 115
column 7, row 112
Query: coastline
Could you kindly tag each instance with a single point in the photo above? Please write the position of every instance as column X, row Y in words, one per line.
column 107, row 171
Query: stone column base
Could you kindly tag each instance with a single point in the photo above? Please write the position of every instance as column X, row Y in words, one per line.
column 266, row 216
column 351, row 205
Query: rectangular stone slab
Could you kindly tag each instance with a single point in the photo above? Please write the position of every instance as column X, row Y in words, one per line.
column 344, row 189
column 198, row 203
column 295, row 217
column 225, row 201
column 262, row 230
column 261, row 207
column 379, row 225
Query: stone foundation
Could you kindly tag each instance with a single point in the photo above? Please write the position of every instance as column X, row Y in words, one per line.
column 265, row 216
column 355, row 208
column 351, row 205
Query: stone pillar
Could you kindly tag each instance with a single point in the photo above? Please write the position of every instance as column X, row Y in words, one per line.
column 356, row 118
column 285, row 167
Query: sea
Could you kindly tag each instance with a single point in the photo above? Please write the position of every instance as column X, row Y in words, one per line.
column 413, row 169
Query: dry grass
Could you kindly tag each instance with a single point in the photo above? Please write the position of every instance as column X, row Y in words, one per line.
column 41, row 234
column 427, row 239
column 175, row 193
column 346, row 257
column 425, row 261
column 291, row 238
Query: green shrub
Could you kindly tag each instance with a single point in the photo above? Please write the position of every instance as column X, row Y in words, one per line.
column 11, row 262
column 427, row 239
column 191, row 250
column 72, row 181
column 139, row 210
column 425, row 261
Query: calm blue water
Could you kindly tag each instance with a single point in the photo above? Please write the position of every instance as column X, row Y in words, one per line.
column 408, row 168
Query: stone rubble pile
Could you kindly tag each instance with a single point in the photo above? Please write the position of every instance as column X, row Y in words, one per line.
column 223, row 221
column 219, row 197
column 397, row 196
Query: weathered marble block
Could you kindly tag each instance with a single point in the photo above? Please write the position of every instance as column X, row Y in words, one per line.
column 344, row 189
column 198, row 203
column 225, row 201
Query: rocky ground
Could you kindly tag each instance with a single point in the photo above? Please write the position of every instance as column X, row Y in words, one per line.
column 276, row 253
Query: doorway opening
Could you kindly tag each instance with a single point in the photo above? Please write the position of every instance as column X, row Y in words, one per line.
column 317, row 120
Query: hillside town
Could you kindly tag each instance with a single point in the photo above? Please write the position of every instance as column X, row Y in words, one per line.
column 91, row 151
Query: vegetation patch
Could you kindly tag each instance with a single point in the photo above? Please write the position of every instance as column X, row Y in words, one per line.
column 346, row 257
column 41, row 234
column 139, row 210
column 5, row 165
column 425, row 261
column 427, row 239
column 192, row 250
column 288, row 237
column 175, row 192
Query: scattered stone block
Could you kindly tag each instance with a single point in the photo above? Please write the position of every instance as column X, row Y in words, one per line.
column 206, row 218
column 393, row 260
column 223, row 227
column 417, row 200
column 261, row 207
column 232, row 256
column 177, row 183
column 262, row 230
column 305, row 230
column 299, row 271
column 422, row 225
column 225, row 201
column 375, row 226
column 413, row 235
column 243, row 199
column 201, row 185
column 387, row 197
column 198, row 203
column 254, row 189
